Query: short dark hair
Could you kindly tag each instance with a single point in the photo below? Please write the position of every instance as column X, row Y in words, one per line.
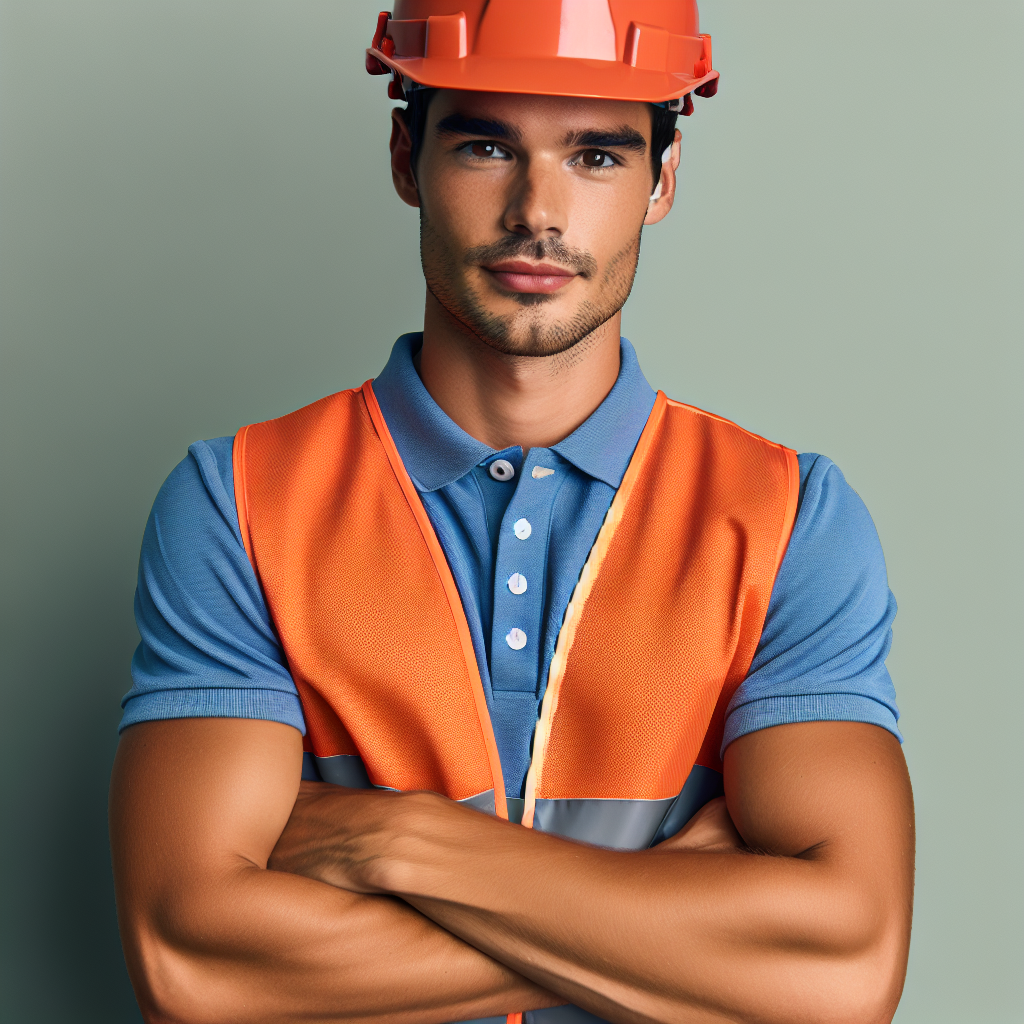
column 663, row 127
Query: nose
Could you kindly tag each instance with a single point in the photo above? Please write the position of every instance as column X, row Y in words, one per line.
column 539, row 203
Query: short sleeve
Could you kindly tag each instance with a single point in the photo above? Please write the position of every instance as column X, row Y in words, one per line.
column 208, row 648
column 828, row 629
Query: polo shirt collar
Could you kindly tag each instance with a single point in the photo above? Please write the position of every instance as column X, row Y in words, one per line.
column 603, row 444
column 437, row 451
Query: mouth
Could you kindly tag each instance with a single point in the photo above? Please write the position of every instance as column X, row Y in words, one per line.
column 536, row 278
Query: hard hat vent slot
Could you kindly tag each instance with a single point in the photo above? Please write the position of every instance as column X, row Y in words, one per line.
column 410, row 37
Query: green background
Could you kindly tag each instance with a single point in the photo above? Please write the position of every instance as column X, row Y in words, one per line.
column 198, row 231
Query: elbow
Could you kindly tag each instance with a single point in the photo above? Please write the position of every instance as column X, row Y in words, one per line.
column 865, row 980
column 868, row 994
column 166, row 990
column 176, row 986
column 841, row 960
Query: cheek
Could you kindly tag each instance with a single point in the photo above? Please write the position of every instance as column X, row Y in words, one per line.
column 462, row 207
column 606, row 221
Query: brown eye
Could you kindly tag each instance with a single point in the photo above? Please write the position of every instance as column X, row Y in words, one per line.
column 486, row 151
column 596, row 158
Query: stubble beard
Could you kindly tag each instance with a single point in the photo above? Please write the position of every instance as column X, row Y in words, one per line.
column 526, row 332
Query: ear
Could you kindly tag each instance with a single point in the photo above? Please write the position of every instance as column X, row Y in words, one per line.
column 401, row 159
column 665, row 193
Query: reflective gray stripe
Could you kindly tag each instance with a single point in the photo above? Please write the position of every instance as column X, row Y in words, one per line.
column 482, row 801
column 703, row 784
column 617, row 824
column 516, row 806
column 349, row 770
column 309, row 772
column 628, row 824
column 341, row 770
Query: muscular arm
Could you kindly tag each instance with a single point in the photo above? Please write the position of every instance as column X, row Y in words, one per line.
column 211, row 935
column 809, row 921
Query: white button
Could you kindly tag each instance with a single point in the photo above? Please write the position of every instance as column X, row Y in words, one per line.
column 539, row 472
column 523, row 528
column 517, row 583
column 501, row 469
column 516, row 639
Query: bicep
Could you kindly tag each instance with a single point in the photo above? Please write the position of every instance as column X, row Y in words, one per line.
column 194, row 796
column 832, row 791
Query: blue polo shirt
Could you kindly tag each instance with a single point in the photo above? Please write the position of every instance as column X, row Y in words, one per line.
column 516, row 544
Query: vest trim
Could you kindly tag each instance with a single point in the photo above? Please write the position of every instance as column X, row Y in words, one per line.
column 574, row 609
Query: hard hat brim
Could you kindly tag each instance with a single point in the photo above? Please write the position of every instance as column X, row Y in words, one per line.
column 545, row 76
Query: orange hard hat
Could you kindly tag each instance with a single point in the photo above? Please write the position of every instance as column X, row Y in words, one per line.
column 646, row 50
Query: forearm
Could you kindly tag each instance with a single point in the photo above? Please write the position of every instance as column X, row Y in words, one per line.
column 670, row 936
column 210, row 934
column 256, row 945
column 815, row 928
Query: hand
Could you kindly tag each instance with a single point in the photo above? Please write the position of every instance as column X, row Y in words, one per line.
column 710, row 830
column 335, row 834
column 349, row 838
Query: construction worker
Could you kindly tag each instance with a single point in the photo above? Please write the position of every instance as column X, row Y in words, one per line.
column 504, row 684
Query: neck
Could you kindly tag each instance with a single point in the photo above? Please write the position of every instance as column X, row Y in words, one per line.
column 503, row 400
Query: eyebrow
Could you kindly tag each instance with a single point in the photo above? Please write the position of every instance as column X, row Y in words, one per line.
column 459, row 124
column 623, row 137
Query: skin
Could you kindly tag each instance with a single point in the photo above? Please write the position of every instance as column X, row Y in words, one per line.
column 247, row 895
column 515, row 369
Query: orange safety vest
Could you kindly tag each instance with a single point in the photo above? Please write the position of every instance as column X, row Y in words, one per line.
column 660, row 630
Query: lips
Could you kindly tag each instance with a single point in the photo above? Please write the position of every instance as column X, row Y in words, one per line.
column 539, row 278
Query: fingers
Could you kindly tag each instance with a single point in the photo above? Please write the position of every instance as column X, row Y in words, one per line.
column 710, row 830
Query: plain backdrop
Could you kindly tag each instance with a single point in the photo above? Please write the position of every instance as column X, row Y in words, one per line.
column 198, row 231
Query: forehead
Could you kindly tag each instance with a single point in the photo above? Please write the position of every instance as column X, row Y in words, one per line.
column 541, row 116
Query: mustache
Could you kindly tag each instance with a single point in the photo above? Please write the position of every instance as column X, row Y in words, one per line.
column 548, row 250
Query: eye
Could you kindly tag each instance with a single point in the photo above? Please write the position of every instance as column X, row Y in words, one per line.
column 595, row 158
column 485, row 151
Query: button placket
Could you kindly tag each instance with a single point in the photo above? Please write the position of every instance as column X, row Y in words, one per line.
column 520, row 566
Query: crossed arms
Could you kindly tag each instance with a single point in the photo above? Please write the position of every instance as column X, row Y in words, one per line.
column 244, row 895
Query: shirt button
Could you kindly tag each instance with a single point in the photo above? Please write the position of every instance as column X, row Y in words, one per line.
column 516, row 639
column 517, row 583
column 523, row 528
column 501, row 469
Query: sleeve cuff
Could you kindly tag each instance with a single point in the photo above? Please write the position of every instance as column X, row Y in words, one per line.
column 813, row 707
column 220, row 702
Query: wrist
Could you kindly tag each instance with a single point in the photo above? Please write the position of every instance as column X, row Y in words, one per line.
column 420, row 845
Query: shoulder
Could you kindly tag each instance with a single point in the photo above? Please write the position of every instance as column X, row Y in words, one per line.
column 199, row 491
column 193, row 529
column 679, row 413
column 833, row 531
column 717, row 448
column 208, row 648
column 329, row 419
column 828, row 628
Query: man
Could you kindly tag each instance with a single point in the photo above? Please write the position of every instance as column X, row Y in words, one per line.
column 517, row 621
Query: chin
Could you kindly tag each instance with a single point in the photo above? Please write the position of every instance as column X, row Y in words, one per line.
column 538, row 337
